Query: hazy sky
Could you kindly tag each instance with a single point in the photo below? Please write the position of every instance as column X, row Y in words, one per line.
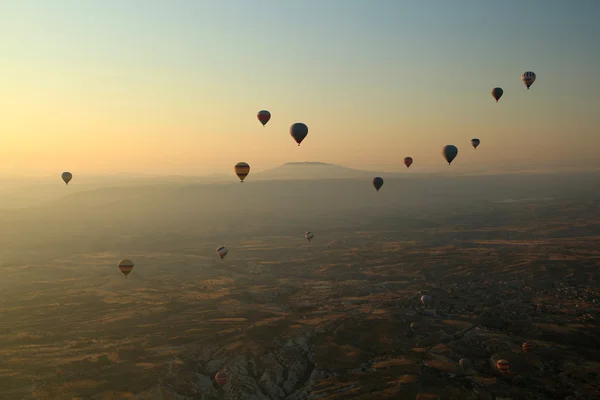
column 174, row 86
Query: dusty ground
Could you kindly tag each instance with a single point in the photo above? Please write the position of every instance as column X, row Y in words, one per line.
column 327, row 320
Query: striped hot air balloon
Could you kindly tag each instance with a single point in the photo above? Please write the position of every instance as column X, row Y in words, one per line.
column 242, row 170
column 221, row 378
column 222, row 251
column 497, row 93
column 528, row 347
column 263, row 116
column 503, row 366
column 528, row 78
column 125, row 266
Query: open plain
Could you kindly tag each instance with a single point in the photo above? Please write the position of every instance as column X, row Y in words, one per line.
column 325, row 320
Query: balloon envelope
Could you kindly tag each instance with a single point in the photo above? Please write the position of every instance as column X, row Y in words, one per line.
column 125, row 266
column 263, row 116
column 426, row 299
column 67, row 176
column 449, row 152
column 497, row 93
column 221, row 378
column 528, row 347
column 475, row 143
column 528, row 78
column 242, row 170
column 503, row 366
column 298, row 132
column 309, row 236
column 378, row 182
column 408, row 161
column 222, row 251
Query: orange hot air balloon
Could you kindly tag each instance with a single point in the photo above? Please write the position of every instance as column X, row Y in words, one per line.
column 408, row 161
column 528, row 347
column 242, row 170
column 221, row 378
column 503, row 366
column 263, row 116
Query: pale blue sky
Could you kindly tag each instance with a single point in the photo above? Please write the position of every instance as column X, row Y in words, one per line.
column 174, row 86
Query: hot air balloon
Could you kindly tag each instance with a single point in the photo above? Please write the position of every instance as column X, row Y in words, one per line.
column 528, row 78
column 242, row 170
column 497, row 93
column 426, row 300
column 465, row 364
column 414, row 326
column 221, row 378
column 309, row 236
column 263, row 116
column 503, row 366
column 408, row 161
column 378, row 182
column 222, row 251
column 528, row 347
column 67, row 176
column 449, row 152
column 125, row 266
column 475, row 143
column 298, row 132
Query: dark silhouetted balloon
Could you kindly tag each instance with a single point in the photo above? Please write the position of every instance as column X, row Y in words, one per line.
column 408, row 161
column 449, row 152
column 67, row 176
column 298, row 132
column 378, row 182
column 475, row 143
column 497, row 93
column 263, row 116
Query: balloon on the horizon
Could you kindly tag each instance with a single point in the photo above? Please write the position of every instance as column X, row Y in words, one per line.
column 298, row 132
column 475, row 142
column 309, row 236
column 378, row 182
column 408, row 161
column 125, row 266
column 242, row 170
column 263, row 116
column 67, row 176
column 222, row 251
column 497, row 93
column 528, row 78
column 449, row 152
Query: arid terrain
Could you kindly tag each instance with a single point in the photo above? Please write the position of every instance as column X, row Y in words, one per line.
column 326, row 320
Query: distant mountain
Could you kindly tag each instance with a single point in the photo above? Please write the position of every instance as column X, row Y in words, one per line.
column 317, row 170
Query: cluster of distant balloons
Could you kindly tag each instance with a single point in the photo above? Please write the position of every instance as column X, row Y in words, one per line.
column 502, row 365
column 299, row 131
